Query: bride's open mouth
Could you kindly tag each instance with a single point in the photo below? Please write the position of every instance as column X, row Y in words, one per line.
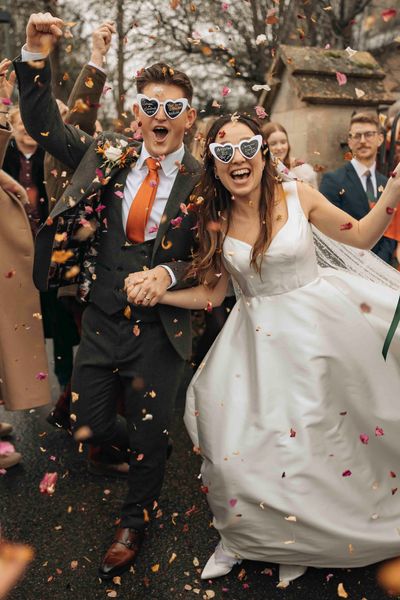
column 240, row 174
column 160, row 133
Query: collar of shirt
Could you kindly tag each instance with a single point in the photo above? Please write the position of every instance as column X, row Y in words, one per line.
column 361, row 169
column 169, row 165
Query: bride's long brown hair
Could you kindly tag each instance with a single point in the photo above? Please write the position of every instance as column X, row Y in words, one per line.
column 212, row 200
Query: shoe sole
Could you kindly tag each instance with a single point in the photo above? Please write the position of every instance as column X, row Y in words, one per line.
column 114, row 573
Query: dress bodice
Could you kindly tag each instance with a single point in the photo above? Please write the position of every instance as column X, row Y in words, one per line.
column 290, row 261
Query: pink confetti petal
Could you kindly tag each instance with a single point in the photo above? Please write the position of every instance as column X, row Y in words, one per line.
column 176, row 222
column 346, row 473
column 260, row 112
column 364, row 438
column 40, row 376
column 346, row 226
column 341, row 78
column 233, row 502
column 225, row 91
column 6, row 448
column 48, row 484
column 379, row 432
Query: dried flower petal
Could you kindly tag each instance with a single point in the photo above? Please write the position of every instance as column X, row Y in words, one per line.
column 341, row 78
column 48, row 483
column 341, row 591
column 346, row 226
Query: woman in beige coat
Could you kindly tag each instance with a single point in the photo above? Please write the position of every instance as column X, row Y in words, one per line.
column 23, row 360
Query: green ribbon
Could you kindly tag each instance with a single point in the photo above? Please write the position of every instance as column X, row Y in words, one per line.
column 390, row 334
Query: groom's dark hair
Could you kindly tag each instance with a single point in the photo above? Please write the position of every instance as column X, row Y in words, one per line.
column 163, row 73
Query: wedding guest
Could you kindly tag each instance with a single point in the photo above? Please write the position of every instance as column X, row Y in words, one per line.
column 393, row 231
column 277, row 139
column 357, row 185
column 292, row 409
column 23, row 360
column 124, row 214
column 24, row 161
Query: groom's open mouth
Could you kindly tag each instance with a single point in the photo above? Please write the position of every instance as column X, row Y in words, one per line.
column 160, row 133
column 240, row 174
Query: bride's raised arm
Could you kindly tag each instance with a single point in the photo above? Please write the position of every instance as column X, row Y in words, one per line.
column 200, row 297
column 340, row 226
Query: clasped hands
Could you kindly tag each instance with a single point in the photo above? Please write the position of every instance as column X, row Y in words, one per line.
column 146, row 288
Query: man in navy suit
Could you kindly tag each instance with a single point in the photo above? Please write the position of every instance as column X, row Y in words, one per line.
column 357, row 185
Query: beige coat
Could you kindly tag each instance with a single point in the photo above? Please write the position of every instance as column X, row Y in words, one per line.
column 23, row 361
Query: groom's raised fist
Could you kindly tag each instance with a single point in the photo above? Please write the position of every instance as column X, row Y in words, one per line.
column 42, row 32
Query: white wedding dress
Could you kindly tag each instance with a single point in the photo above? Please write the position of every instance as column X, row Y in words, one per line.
column 279, row 404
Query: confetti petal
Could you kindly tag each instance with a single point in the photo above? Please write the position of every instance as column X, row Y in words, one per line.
column 341, row 78
column 48, row 484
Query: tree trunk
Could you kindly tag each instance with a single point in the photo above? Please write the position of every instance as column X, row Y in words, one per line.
column 120, row 58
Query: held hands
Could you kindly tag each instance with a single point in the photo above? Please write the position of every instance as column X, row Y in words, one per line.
column 6, row 84
column 147, row 287
column 42, row 32
column 101, row 41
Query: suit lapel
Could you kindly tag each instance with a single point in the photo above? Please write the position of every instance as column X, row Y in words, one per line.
column 359, row 193
column 79, row 191
column 182, row 188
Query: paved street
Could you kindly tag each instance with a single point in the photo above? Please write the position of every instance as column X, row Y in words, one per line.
column 76, row 524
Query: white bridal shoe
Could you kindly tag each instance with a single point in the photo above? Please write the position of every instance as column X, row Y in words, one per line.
column 219, row 564
column 288, row 573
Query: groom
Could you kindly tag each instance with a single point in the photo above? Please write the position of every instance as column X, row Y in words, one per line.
column 123, row 215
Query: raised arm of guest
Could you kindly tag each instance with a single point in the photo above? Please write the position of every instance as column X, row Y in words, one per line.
column 82, row 110
column 38, row 105
column 84, row 100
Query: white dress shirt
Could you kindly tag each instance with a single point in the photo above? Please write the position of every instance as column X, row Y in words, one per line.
column 167, row 175
column 361, row 169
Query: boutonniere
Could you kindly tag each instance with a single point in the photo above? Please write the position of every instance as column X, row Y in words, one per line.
column 118, row 154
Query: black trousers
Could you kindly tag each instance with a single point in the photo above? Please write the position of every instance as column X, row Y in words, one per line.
column 385, row 249
column 112, row 357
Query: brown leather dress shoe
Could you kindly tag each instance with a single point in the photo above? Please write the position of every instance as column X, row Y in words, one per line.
column 122, row 553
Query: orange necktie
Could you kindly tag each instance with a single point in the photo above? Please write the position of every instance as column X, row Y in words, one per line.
column 141, row 206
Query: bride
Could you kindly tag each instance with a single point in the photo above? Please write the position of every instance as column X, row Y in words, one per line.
column 294, row 410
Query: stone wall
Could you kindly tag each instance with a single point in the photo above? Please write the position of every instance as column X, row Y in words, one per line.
column 317, row 133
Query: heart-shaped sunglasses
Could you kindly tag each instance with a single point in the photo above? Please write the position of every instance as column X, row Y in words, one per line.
column 247, row 148
column 172, row 108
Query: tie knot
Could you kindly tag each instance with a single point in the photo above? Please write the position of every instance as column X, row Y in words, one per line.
column 367, row 173
column 153, row 164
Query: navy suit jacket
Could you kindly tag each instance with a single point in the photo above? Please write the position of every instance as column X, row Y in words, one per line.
column 344, row 189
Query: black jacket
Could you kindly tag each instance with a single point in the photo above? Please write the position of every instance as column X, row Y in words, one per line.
column 344, row 189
